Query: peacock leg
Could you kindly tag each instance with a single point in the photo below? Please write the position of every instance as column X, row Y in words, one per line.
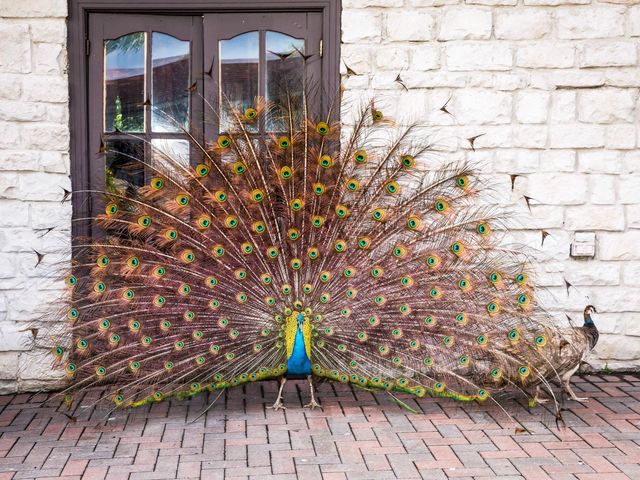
column 312, row 404
column 567, row 387
column 537, row 398
column 278, row 405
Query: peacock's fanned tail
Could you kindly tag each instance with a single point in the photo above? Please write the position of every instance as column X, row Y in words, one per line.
column 394, row 259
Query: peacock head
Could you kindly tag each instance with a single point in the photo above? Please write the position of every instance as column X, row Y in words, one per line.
column 588, row 310
column 300, row 318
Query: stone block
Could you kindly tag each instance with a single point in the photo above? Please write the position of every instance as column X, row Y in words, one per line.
column 481, row 107
column 409, row 25
column 465, row 23
column 546, row 55
column 15, row 47
column 576, row 136
column 522, row 24
column 532, row 106
column 599, row 161
column 478, row 56
column 607, row 105
column 590, row 22
column 557, row 188
column 595, row 217
column 610, row 54
column 619, row 246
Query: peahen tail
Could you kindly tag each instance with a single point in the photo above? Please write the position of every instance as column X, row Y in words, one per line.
column 394, row 258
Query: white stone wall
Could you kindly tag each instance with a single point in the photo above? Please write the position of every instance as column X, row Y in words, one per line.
column 34, row 169
column 554, row 87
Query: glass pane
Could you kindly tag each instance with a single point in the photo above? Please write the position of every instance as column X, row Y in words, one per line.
column 238, row 74
column 124, row 173
column 285, row 72
column 171, row 152
column 170, row 83
column 124, row 83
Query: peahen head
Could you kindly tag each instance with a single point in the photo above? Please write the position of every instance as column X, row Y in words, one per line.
column 588, row 310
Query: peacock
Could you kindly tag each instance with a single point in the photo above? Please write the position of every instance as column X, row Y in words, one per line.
column 322, row 249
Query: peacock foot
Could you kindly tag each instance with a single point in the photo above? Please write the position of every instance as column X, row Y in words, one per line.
column 540, row 401
column 278, row 405
column 580, row 399
column 313, row 405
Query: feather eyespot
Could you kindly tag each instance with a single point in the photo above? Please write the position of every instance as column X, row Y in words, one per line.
column 413, row 222
column 360, row 157
column 435, row 293
column 286, row 289
column 204, row 221
column 182, row 200
column 364, row 243
column 430, row 321
column 133, row 262
column 224, row 141
column 323, row 128
column 156, row 183
column 313, row 253
column 441, row 206
column 392, row 187
column 257, row 195
column 286, row 173
column 111, row 209
column 377, row 116
column 159, row 300
column 239, row 168
column 433, row 261
column 483, row 229
column 353, row 185
column 521, row 279
column 513, row 335
column 144, row 221
column 493, row 308
column 231, row 221
column 188, row 256
column 220, row 196
column 296, row 204
column 307, row 288
column 317, row 221
column 540, row 341
column 379, row 214
column 202, row 170
column 319, row 188
column 407, row 161
column 342, row 211
column 325, row 161
column 325, row 298
column 295, row 264
column 293, row 234
column 103, row 261
column 482, row 339
column 272, row 252
column 218, row 251
column 377, row 271
column 462, row 181
column 464, row 284
column 399, row 251
column 340, row 246
column 250, row 114
column 284, row 142
column 462, row 319
column 325, row 276
column 71, row 281
column 259, row 227
column 457, row 248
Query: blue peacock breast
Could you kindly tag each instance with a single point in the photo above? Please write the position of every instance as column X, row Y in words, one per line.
column 298, row 363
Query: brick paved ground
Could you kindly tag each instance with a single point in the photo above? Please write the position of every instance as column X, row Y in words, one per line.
column 359, row 435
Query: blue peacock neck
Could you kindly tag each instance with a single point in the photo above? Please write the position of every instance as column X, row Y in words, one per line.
column 297, row 333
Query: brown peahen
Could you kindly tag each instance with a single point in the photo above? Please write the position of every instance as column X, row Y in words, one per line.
column 321, row 250
column 569, row 348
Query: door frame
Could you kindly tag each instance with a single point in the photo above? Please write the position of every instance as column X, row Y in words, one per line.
column 78, row 47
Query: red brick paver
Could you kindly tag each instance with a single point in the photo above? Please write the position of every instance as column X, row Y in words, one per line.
column 358, row 435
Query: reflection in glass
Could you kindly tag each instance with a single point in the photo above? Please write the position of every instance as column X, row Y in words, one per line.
column 284, row 75
column 171, row 152
column 238, row 74
column 124, row 173
column 124, row 83
column 170, row 83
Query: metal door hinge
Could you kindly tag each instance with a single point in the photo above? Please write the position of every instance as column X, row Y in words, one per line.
column 87, row 46
column 320, row 48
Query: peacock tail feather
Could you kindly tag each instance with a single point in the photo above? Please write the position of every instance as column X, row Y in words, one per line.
column 394, row 258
